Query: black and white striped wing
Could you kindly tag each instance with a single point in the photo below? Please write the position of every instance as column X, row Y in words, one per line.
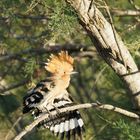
column 30, row 102
column 69, row 124
column 34, row 96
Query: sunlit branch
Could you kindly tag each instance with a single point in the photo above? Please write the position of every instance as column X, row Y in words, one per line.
column 71, row 108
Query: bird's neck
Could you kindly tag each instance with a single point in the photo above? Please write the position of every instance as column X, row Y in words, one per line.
column 62, row 82
column 60, row 89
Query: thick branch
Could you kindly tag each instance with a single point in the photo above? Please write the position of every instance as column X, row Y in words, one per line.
column 109, row 45
column 81, row 106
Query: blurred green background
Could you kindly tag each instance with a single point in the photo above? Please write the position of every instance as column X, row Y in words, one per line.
column 26, row 26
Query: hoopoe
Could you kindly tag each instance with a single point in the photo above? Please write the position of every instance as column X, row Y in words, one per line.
column 51, row 94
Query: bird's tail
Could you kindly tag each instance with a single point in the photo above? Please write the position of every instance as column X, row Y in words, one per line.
column 69, row 125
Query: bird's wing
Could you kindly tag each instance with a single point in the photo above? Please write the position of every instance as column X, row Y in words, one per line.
column 69, row 124
column 35, row 95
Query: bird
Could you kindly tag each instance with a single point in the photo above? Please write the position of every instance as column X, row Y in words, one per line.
column 52, row 94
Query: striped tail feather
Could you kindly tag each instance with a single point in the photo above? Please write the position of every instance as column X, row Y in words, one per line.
column 69, row 124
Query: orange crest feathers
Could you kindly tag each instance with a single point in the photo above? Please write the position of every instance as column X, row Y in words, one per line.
column 60, row 63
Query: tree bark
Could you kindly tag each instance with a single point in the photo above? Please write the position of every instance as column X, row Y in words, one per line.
column 109, row 45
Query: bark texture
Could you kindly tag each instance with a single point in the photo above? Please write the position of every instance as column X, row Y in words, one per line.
column 109, row 45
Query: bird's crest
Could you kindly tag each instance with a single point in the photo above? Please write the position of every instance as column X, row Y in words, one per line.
column 60, row 63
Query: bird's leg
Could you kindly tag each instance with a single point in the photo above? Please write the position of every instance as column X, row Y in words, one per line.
column 57, row 110
column 50, row 115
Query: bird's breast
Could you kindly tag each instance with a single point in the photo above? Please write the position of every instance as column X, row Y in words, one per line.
column 48, row 102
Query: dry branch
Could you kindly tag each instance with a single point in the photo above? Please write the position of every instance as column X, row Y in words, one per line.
column 80, row 106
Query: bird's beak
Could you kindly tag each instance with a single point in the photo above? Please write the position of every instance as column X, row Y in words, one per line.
column 74, row 72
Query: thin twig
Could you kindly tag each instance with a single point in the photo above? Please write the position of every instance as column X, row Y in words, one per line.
column 134, row 5
column 132, row 2
column 71, row 108
column 99, row 75
column 16, row 122
column 21, row 16
column 33, row 4
column 43, row 50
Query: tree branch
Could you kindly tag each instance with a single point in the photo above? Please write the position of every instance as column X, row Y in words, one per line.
column 102, row 35
column 41, row 50
column 120, row 12
column 12, row 87
column 71, row 108
column 132, row 2
column 10, row 131
column 21, row 16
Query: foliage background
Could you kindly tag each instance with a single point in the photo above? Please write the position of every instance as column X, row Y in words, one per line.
column 27, row 25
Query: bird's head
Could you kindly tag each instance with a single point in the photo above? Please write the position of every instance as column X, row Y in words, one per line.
column 60, row 65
